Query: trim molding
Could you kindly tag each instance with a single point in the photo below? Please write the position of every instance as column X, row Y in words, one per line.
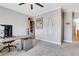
column 58, row 43
column 67, row 41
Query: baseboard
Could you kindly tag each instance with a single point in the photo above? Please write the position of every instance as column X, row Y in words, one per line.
column 67, row 41
column 58, row 43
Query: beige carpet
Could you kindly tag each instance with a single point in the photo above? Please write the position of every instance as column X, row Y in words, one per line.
column 42, row 48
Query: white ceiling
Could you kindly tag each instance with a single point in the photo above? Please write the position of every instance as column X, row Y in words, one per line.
column 25, row 9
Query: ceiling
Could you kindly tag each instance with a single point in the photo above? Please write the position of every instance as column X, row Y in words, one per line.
column 25, row 9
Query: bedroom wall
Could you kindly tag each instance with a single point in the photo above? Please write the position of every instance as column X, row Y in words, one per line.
column 76, row 15
column 18, row 20
column 52, row 27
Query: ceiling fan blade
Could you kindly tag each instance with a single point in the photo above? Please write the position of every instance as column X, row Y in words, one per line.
column 39, row 4
column 21, row 3
column 31, row 6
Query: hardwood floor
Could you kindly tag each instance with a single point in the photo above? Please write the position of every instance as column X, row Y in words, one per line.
column 76, row 38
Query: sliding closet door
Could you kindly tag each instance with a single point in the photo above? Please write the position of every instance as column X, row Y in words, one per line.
column 50, row 29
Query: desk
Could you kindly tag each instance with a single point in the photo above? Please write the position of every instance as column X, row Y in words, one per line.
column 8, row 46
column 12, row 38
column 9, row 41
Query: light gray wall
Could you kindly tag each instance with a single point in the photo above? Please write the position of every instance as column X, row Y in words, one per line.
column 68, row 18
column 76, row 15
column 19, row 21
column 51, row 31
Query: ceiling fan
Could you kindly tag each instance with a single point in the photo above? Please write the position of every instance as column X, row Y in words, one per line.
column 31, row 5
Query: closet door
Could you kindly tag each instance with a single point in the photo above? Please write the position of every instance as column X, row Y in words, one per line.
column 68, row 27
column 44, row 30
column 50, row 30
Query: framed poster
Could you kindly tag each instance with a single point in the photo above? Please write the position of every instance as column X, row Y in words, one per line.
column 39, row 23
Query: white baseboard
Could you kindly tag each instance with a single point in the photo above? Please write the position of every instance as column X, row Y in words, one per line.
column 58, row 43
column 68, row 41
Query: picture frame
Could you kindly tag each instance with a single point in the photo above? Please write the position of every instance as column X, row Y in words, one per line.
column 39, row 23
